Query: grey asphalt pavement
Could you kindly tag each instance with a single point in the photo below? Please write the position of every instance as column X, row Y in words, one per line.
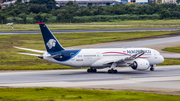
column 144, row 43
column 93, row 30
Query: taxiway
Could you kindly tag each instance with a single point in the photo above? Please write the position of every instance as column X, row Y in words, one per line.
column 91, row 30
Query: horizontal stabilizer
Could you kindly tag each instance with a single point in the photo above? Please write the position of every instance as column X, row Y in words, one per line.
column 32, row 50
column 30, row 54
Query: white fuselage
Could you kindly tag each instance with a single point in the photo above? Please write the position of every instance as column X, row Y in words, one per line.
column 98, row 58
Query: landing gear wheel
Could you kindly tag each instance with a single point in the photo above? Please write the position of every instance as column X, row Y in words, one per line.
column 112, row 71
column 94, row 70
column 88, row 70
column 91, row 70
column 109, row 71
column 151, row 69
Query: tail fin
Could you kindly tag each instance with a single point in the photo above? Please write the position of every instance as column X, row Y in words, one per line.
column 51, row 43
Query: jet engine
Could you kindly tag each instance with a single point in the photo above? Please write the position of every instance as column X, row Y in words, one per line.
column 140, row 64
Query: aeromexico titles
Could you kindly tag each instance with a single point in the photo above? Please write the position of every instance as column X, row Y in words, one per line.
column 137, row 58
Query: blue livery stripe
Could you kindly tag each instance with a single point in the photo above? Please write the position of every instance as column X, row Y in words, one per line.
column 66, row 55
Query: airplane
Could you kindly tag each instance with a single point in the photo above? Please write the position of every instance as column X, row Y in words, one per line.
column 96, row 58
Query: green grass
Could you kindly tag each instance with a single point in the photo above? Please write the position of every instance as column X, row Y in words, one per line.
column 60, row 94
column 114, row 23
column 171, row 62
column 172, row 49
column 10, row 60
column 147, row 22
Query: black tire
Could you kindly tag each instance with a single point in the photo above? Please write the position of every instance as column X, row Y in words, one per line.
column 94, row 70
column 109, row 71
column 115, row 71
column 151, row 69
column 88, row 70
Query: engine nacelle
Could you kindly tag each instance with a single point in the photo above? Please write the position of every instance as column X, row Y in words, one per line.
column 140, row 64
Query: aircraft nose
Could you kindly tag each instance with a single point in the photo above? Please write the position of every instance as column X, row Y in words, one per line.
column 161, row 59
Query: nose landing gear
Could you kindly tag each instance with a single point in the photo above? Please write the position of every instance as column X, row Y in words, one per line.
column 152, row 68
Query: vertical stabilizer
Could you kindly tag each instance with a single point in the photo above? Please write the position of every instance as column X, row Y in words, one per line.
column 51, row 43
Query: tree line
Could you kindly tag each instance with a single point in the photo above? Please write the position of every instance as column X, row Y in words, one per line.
column 47, row 11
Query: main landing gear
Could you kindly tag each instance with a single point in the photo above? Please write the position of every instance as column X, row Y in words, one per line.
column 112, row 71
column 152, row 68
column 92, row 70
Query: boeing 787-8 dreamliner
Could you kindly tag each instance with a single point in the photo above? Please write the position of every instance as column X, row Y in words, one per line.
column 97, row 58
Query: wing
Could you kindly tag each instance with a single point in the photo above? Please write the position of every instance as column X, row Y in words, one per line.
column 133, row 57
column 127, row 60
column 32, row 50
